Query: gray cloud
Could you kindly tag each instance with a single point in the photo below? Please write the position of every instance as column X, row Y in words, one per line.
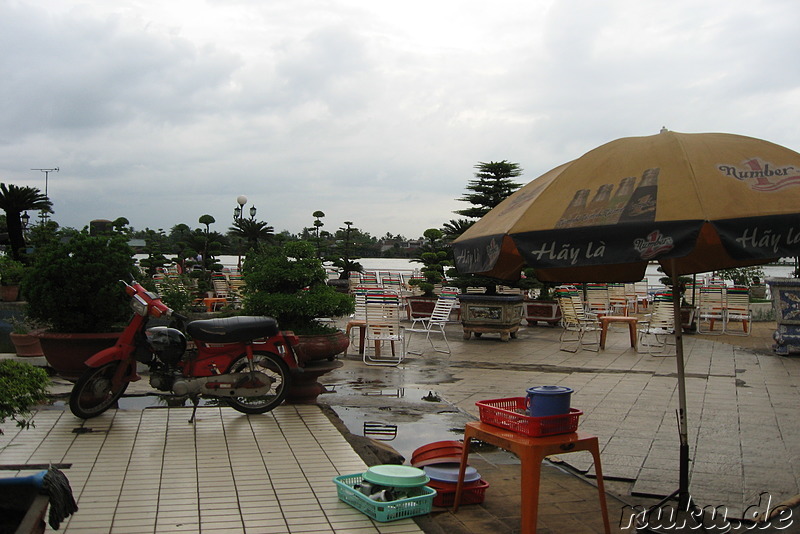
column 374, row 114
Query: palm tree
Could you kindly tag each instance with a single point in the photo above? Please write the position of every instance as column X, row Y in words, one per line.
column 252, row 231
column 14, row 200
column 455, row 227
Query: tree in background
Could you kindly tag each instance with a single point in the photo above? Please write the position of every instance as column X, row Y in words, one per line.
column 252, row 232
column 494, row 182
column 342, row 247
column 436, row 258
column 317, row 225
column 14, row 200
column 455, row 227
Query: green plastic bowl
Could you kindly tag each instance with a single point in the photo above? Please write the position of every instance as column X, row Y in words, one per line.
column 396, row 476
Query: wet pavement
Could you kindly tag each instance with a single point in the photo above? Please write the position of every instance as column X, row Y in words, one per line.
column 743, row 437
column 742, row 398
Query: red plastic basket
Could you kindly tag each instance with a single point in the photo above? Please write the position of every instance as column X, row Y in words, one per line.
column 510, row 414
column 473, row 493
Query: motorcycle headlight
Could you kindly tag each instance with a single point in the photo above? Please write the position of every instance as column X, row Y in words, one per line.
column 139, row 305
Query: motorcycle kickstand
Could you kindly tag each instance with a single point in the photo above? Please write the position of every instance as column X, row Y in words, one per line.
column 195, row 402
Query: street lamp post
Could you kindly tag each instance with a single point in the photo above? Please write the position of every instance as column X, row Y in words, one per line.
column 238, row 212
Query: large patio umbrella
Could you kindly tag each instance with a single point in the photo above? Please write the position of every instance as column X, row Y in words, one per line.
column 691, row 202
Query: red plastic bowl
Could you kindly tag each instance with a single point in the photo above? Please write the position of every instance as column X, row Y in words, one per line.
column 447, row 455
column 437, row 452
column 437, row 445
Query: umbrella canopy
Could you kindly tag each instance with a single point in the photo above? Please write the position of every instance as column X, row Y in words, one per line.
column 693, row 202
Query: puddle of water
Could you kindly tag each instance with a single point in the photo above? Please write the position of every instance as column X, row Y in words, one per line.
column 404, row 433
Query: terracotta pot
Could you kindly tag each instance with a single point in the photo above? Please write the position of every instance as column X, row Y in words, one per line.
column 322, row 346
column 316, row 356
column 26, row 345
column 420, row 307
column 66, row 352
column 9, row 293
column 546, row 311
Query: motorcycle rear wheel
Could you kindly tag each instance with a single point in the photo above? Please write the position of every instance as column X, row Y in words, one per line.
column 271, row 365
column 94, row 392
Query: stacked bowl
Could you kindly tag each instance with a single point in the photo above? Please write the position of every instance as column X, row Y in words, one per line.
column 440, row 461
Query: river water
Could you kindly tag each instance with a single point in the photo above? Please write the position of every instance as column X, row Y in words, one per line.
column 408, row 267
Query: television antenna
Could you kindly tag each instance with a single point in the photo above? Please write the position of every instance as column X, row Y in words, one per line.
column 43, row 214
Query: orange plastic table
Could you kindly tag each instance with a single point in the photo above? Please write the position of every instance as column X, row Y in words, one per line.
column 604, row 320
column 531, row 452
column 211, row 302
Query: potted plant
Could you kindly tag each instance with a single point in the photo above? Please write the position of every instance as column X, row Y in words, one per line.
column 25, row 344
column 487, row 311
column 73, row 287
column 542, row 307
column 287, row 282
column 22, row 386
column 11, row 272
column 752, row 277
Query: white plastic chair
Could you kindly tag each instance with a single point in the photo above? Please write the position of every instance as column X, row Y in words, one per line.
column 597, row 301
column 433, row 324
column 737, row 310
column 659, row 325
column 385, row 338
column 710, row 309
column 576, row 322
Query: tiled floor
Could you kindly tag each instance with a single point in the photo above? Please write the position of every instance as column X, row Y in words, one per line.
column 743, row 432
column 150, row 471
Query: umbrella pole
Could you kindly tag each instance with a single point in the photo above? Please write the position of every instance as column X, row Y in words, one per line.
column 686, row 517
column 683, row 429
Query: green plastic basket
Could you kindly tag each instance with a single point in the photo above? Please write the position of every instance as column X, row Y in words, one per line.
column 383, row 511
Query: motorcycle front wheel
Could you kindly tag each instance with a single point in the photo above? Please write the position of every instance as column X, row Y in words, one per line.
column 94, row 392
column 271, row 365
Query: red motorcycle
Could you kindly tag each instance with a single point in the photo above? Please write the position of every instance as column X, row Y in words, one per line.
column 244, row 361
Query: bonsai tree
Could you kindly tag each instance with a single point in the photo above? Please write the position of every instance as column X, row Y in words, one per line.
column 22, row 386
column 743, row 276
column 73, row 286
column 11, row 271
column 435, row 260
column 342, row 256
column 529, row 281
column 287, row 282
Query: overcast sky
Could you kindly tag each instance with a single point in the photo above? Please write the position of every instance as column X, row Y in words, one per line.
column 374, row 112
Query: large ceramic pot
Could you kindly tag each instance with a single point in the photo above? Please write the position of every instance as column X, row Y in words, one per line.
column 420, row 307
column 66, row 353
column 322, row 346
column 497, row 314
column 9, row 293
column 545, row 311
column 26, row 345
column 317, row 356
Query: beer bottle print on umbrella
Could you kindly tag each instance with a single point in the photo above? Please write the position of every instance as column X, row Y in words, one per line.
column 597, row 206
column 575, row 209
column 624, row 192
column 642, row 205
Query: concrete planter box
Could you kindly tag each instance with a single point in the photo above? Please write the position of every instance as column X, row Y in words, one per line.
column 492, row 314
column 786, row 303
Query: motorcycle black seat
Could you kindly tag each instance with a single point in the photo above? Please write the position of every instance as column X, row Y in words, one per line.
column 240, row 329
